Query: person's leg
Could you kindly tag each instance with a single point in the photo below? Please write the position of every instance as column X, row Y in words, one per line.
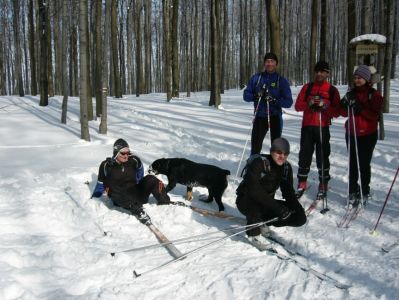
column 297, row 217
column 305, row 153
column 353, row 174
column 275, row 126
column 259, row 130
column 323, row 151
column 366, row 148
column 152, row 185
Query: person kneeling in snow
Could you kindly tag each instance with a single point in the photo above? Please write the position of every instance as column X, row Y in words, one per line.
column 264, row 174
column 122, row 179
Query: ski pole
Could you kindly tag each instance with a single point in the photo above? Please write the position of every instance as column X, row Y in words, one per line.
column 325, row 205
column 193, row 238
column 203, row 247
column 357, row 158
column 249, row 132
column 385, row 203
column 268, row 120
column 349, row 161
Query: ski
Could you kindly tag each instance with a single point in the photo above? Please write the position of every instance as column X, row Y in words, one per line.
column 291, row 257
column 312, row 206
column 164, row 240
column 388, row 248
column 351, row 213
column 207, row 212
column 308, row 269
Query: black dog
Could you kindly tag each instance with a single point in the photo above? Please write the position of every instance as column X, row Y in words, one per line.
column 190, row 174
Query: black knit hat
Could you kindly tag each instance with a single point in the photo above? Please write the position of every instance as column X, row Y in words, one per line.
column 119, row 145
column 322, row 66
column 270, row 55
column 280, row 144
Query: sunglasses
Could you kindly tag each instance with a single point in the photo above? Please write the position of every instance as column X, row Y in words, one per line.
column 279, row 152
column 124, row 153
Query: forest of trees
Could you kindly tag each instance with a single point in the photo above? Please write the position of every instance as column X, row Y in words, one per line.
column 93, row 48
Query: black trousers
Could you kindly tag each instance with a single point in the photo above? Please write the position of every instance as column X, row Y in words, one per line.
column 134, row 198
column 311, row 139
column 260, row 128
column 256, row 212
column 365, row 146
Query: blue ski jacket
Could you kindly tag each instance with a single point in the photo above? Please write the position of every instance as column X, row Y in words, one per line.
column 276, row 85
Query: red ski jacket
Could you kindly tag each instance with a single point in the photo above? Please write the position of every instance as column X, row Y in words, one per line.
column 332, row 106
column 370, row 103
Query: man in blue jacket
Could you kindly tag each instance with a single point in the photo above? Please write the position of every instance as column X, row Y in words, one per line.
column 270, row 92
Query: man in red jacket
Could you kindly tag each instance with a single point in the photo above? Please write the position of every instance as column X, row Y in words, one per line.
column 320, row 102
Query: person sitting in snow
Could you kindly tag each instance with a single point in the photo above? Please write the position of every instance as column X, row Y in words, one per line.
column 264, row 174
column 122, row 179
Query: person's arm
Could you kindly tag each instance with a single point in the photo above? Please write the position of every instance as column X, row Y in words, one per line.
column 334, row 109
column 301, row 101
column 140, row 169
column 101, row 178
column 372, row 108
column 249, row 91
column 285, row 99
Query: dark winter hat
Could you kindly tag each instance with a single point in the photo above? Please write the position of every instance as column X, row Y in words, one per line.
column 119, row 145
column 322, row 66
column 364, row 72
column 280, row 144
column 271, row 55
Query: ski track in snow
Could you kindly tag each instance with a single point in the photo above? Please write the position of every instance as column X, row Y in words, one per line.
column 52, row 234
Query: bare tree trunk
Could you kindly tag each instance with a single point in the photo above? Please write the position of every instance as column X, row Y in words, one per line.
column 175, row 50
column 49, row 53
column 274, row 23
column 367, row 16
column 139, row 56
column 313, row 38
column 64, row 47
column 2, row 70
column 167, row 50
column 43, row 54
column 148, row 47
column 388, row 54
column 105, row 56
column 25, row 51
column 18, row 64
column 214, row 99
column 129, row 50
column 84, row 76
column 114, row 51
column 323, row 31
column 98, row 57
column 351, row 34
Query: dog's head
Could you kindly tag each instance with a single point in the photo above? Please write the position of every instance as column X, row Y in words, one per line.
column 159, row 166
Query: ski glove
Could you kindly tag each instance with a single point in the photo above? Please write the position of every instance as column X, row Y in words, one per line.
column 348, row 100
column 317, row 104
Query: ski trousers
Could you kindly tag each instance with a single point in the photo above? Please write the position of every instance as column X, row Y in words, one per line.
column 260, row 128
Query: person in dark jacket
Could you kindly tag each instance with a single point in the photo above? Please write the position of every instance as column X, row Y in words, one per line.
column 264, row 174
column 320, row 102
column 267, row 90
column 364, row 105
column 122, row 179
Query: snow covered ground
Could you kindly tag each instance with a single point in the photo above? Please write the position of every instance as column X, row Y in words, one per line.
column 52, row 242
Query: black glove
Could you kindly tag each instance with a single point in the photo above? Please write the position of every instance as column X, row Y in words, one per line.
column 269, row 98
column 317, row 104
column 285, row 214
column 348, row 100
